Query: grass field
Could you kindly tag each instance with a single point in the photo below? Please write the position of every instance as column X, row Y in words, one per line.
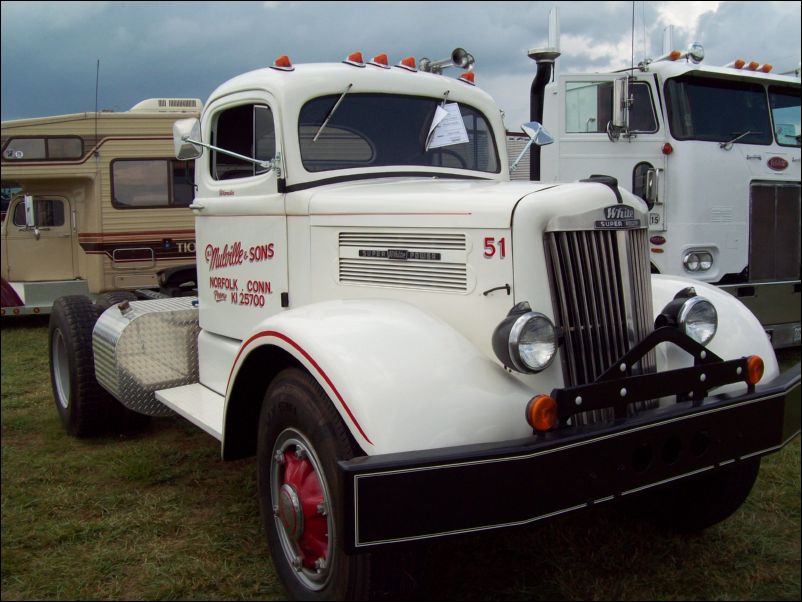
column 157, row 515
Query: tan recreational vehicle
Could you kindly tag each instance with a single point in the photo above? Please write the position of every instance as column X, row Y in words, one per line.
column 93, row 202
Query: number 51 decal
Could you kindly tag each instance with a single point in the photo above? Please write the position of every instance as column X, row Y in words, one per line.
column 492, row 245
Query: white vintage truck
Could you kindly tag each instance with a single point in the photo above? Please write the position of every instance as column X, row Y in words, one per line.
column 412, row 345
column 715, row 150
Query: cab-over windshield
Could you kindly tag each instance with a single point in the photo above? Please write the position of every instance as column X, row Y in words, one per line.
column 721, row 110
column 377, row 130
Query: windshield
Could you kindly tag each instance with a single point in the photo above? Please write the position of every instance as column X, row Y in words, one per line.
column 376, row 130
column 718, row 110
column 785, row 114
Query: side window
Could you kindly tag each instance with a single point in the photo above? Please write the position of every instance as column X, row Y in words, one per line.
column 589, row 107
column 248, row 130
column 49, row 213
column 44, row 149
column 642, row 115
column 639, row 179
column 150, row 183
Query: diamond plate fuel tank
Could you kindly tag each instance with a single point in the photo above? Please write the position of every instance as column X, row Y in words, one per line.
column 144, row 346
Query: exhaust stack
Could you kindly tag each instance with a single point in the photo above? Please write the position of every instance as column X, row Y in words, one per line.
column 545, row 59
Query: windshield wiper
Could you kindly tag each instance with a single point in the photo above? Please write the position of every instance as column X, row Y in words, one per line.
column 728, row 145
column 331, row 113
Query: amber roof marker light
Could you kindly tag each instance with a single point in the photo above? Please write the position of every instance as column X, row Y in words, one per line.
column 283, row 63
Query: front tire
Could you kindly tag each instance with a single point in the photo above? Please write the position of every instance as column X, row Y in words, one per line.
column 301, row 438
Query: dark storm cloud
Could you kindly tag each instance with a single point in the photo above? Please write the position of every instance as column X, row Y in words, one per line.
column 149, row 49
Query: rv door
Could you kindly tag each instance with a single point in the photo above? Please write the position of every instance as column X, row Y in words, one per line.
column 39, row 239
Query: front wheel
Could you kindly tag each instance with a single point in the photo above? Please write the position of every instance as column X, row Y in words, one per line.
column 301, row 438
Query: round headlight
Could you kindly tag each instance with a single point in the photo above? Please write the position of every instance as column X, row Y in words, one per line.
column 532, row 342
column 698, row 319
column 691, row 262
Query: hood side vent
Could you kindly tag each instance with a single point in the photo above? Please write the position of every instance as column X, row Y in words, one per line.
column 408, row 260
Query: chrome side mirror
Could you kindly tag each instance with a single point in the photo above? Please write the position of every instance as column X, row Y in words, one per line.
column 619, row 124
column 538, row 135
column 30, row 216
column 621, row 103
column 186, row 138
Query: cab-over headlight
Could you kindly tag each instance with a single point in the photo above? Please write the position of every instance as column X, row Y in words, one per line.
column 525, row 340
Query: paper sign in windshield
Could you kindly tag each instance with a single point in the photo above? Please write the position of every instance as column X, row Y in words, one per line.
column 447, row 127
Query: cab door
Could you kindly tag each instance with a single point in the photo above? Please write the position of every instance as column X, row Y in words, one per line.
column 583, row 146
column 43, row 252
column 241, row 224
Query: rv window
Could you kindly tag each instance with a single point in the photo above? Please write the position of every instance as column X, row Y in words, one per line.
column 151, row 183
column 44, row 149
column 64, row 148
column 589, row 107
column 49, row 213
column 247, row 130
column 25, row 149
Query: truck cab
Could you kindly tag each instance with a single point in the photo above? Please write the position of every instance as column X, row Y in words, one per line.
column 389, row 324
column 716, row 151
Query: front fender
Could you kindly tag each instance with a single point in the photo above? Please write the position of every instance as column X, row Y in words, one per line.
column 739, row 332
column 401, row 379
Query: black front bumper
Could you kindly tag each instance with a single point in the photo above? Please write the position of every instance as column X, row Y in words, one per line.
column 404, row 497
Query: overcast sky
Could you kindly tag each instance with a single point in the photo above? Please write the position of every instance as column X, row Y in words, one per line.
column 185, row 49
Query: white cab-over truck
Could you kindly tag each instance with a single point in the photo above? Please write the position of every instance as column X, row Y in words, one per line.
column 412, row 345
column 716, row 153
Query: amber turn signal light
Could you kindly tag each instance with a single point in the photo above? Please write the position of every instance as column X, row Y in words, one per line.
column 541, row 412
column 754, row 369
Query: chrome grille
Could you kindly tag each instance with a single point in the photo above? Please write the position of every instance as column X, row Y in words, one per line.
column 601, row 283
column 774, row 227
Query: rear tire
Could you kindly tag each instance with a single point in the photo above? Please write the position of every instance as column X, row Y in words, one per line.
column 106, row 300
column 701, row 501
column 84, row 407
column 301, row 438
column 82, row 404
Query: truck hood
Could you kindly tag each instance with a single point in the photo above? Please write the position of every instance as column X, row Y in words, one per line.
column 420, row 202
